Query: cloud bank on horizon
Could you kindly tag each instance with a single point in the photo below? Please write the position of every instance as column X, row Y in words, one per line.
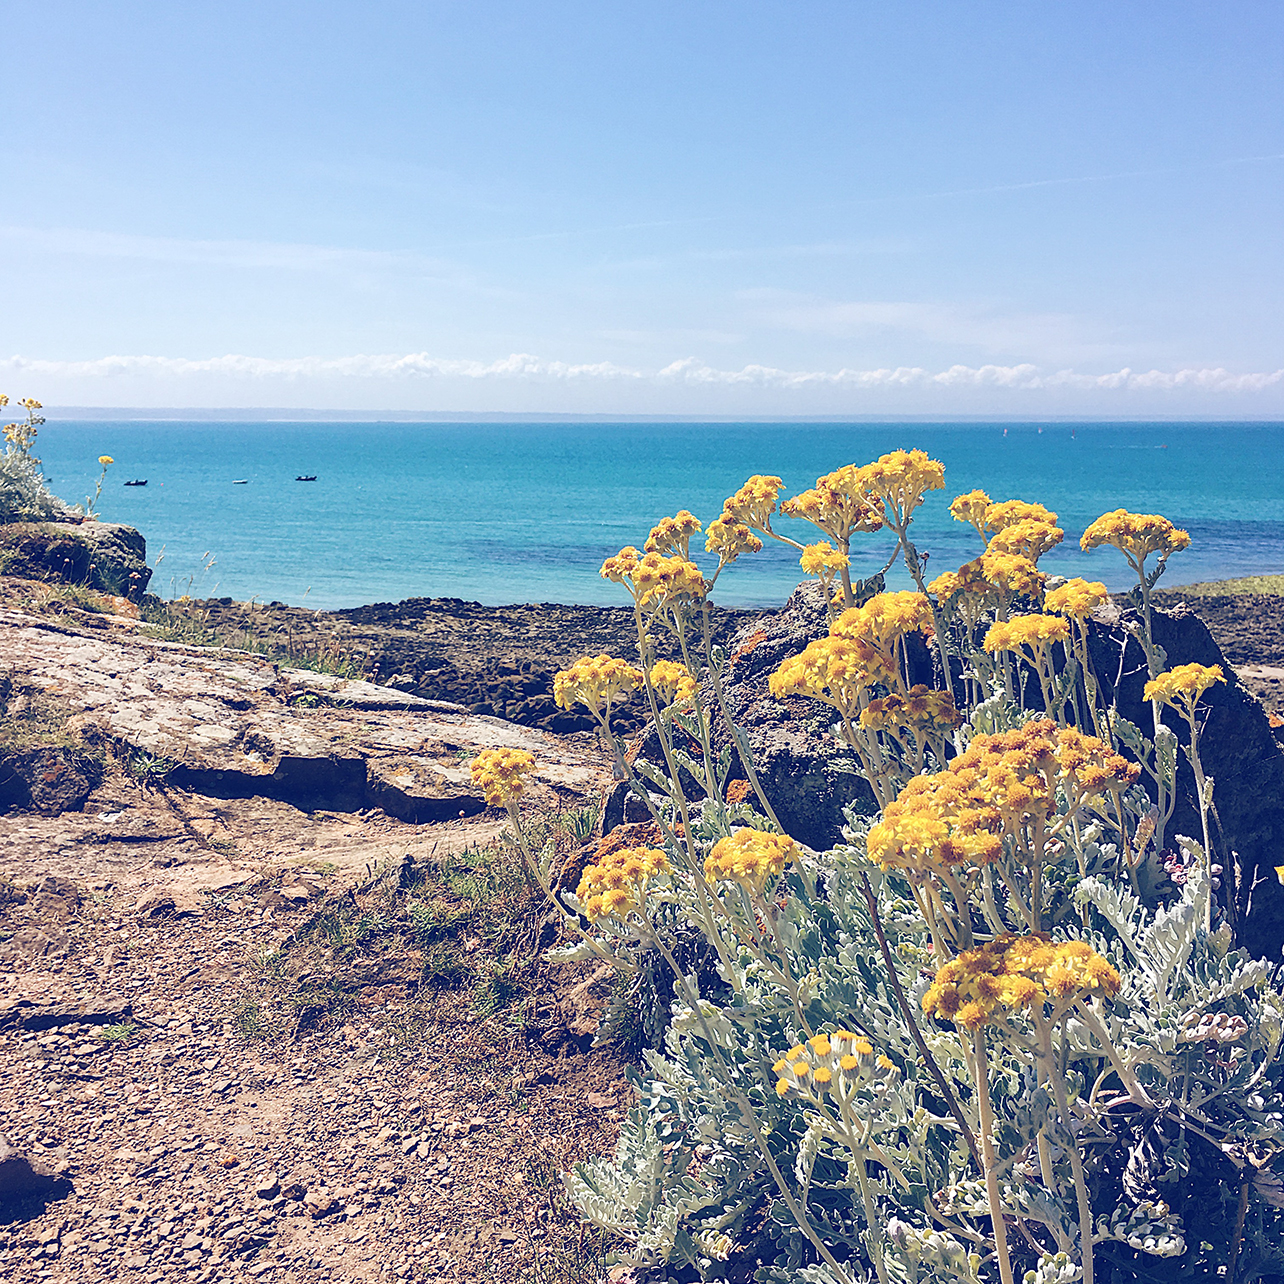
column 392, row 381
column 841, row 209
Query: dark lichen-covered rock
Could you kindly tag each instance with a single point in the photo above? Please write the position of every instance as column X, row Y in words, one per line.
column 1236, row 746
column 48, row 779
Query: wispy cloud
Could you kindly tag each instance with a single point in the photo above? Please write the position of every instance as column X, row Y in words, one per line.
column 690, row 371
column 220, row 253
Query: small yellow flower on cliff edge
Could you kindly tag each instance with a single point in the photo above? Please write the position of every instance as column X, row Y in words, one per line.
column 105, row 460
column 499, row 772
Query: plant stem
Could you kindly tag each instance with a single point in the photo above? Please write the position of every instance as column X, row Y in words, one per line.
column 981, row 1071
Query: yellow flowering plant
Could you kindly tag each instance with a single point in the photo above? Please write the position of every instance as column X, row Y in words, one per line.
column 957, row 1044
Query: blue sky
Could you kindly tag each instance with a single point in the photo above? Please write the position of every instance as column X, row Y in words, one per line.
column 705, row 208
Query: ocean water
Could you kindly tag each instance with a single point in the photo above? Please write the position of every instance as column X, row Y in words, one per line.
column 514, row 512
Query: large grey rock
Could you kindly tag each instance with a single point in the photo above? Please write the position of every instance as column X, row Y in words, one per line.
column 229, row 724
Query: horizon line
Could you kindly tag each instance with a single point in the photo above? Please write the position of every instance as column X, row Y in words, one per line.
column 306, row 414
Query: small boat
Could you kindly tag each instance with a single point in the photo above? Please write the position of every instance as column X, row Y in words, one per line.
column 136, row 482
column 241, row 481
column 301, row 478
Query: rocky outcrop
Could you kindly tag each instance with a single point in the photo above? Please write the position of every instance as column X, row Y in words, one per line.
column 1236, row 746
column 99, row 555
column 229, row 724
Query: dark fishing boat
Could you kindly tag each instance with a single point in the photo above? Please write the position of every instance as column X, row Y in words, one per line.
column 137, row 482
column 241, row 481
column 301, row 478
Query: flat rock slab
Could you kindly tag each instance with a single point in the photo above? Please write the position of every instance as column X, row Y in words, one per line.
column 233, row 725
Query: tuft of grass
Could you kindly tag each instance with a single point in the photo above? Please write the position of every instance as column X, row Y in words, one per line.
column 1273, row 585
column 571, row 1252
column 122, row 1033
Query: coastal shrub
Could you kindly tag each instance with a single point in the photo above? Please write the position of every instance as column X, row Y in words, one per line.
column 979, row 1039
column 23, row 494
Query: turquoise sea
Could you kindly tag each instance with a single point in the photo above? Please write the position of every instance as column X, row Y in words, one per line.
column 518, row 512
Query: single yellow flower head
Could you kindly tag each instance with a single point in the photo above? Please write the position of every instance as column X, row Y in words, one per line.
column 969, row 579
column 621, row 567
column 105, row 460
column 1076, row 598
column 750, row 857
column 498, row 773
column 665, row 581
column 1136, row 535
column 1187, row 682
column 595, row 681
column 673, row 682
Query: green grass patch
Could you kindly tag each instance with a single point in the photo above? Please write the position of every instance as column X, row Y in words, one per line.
column 1272, row 585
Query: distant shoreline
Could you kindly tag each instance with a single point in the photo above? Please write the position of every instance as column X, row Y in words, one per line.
column 302, row 414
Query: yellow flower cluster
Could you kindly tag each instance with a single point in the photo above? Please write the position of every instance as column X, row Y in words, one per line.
column 1077, row 598
column 1187, row 682
column 661, row 581
column 999, row 517
column 828, row 1063
column 968, row 579
column 498, row 773
column 1012, row 572
column 900, row 479
column 921, row 710
column 885, row 619
column 673, row 534
column 1034, row 631
column 617, row 884
column 1015, row 973
column 595, row 681
column 823, row 559
column 1003, row 782
column 728, row 538
column 1136, row 535
column 971, row 508
column 833, row 670
column 673, row 682
column 655, row 580
column 1029, row 538
column 754, row 503
column 838, row 504
column 105, row 460
column 750, row 857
